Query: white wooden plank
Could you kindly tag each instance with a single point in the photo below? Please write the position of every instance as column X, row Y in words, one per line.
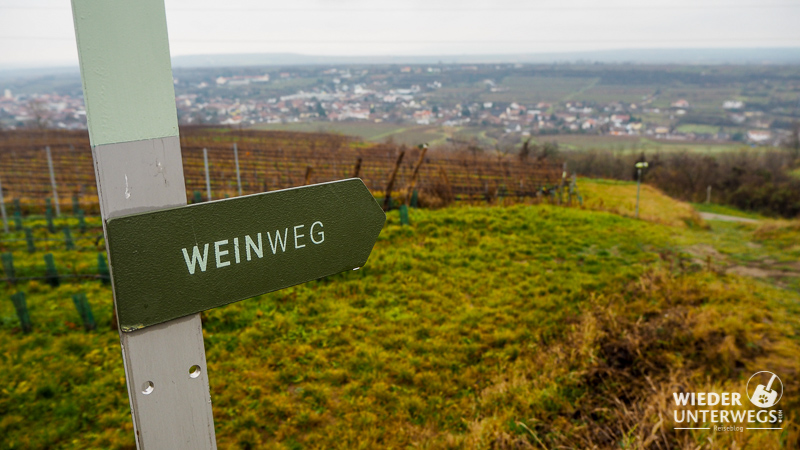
column 143, row 176
column 130, row 105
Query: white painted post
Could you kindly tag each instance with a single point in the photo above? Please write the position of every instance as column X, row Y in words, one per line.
column 238, row 176
column 53, row 180
column 708, row 195
column 3, row 209
column 208, row 179
column 133, row 129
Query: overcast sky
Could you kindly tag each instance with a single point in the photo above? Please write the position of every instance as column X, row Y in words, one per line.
column 37, row 33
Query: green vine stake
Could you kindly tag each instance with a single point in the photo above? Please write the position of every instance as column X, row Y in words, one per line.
column 68, row 239
column 404, row 215
column 197, row 197
column 414, row 198
column 85, row 311
column 49, row 214
column 17, row 207
column 102, row 269
column 82, row 221
column 8, row 268
column 22, row 311
column 51, row 274
column 17, row 221
column 29, row 239
column 76, row 206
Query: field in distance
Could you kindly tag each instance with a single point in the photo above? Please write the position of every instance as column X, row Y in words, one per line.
column 413, row 135
column 407, row 134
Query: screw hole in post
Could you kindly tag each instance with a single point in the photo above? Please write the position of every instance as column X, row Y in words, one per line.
column 148, row 387
column 194, row 371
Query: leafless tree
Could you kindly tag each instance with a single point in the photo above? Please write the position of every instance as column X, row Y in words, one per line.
column 40, row 113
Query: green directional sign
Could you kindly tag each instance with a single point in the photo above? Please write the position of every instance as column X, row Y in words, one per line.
column 174, row 262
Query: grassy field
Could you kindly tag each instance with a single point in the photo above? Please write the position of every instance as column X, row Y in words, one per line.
column 363, row 130
column 632, row 143
column 725, row 210
column 411, row 135
column 526, row 326
column 692, row 128
column 699, row 98
column 538, row 89
column 613, row 93
column 619, row 197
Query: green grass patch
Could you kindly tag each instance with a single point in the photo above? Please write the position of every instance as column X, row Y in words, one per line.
column 695, row 128
column 725, row 210
column 475, row 327
column 536, row 89
column 364, row 130
column 619, row 197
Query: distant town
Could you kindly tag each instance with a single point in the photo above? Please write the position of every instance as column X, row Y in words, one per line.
column 507, row 102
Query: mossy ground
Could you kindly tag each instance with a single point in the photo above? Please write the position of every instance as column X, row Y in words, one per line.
column 619, row 197
column 479, row 327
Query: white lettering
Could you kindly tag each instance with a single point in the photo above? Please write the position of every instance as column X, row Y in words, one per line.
column 220, row 253
column 735, row 396
column 196, row 259
column 738, row 416
column 248, row 244
column 701, row 398
column 683, row 415
column 278, row 240
column 296, row 236
column 255, row 246
column 713, row 398
column 321, row 234
column 681, row 399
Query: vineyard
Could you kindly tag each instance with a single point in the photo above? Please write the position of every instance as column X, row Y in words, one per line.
column 501, row 326
column 275, row 160
column 51, row 205
column 52, row 211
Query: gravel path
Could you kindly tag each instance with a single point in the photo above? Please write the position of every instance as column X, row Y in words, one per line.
column 724, row 218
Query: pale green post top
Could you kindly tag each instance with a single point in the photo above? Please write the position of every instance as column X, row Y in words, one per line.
column 126, row 70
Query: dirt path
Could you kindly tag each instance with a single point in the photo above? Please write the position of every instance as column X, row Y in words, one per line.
column 723, row 217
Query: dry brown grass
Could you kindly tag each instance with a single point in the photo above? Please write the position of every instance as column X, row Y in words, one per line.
column 620, row 198
column 627, row 354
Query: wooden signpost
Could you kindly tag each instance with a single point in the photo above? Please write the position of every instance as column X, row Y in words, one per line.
column 169, row 261
column 228, row 250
